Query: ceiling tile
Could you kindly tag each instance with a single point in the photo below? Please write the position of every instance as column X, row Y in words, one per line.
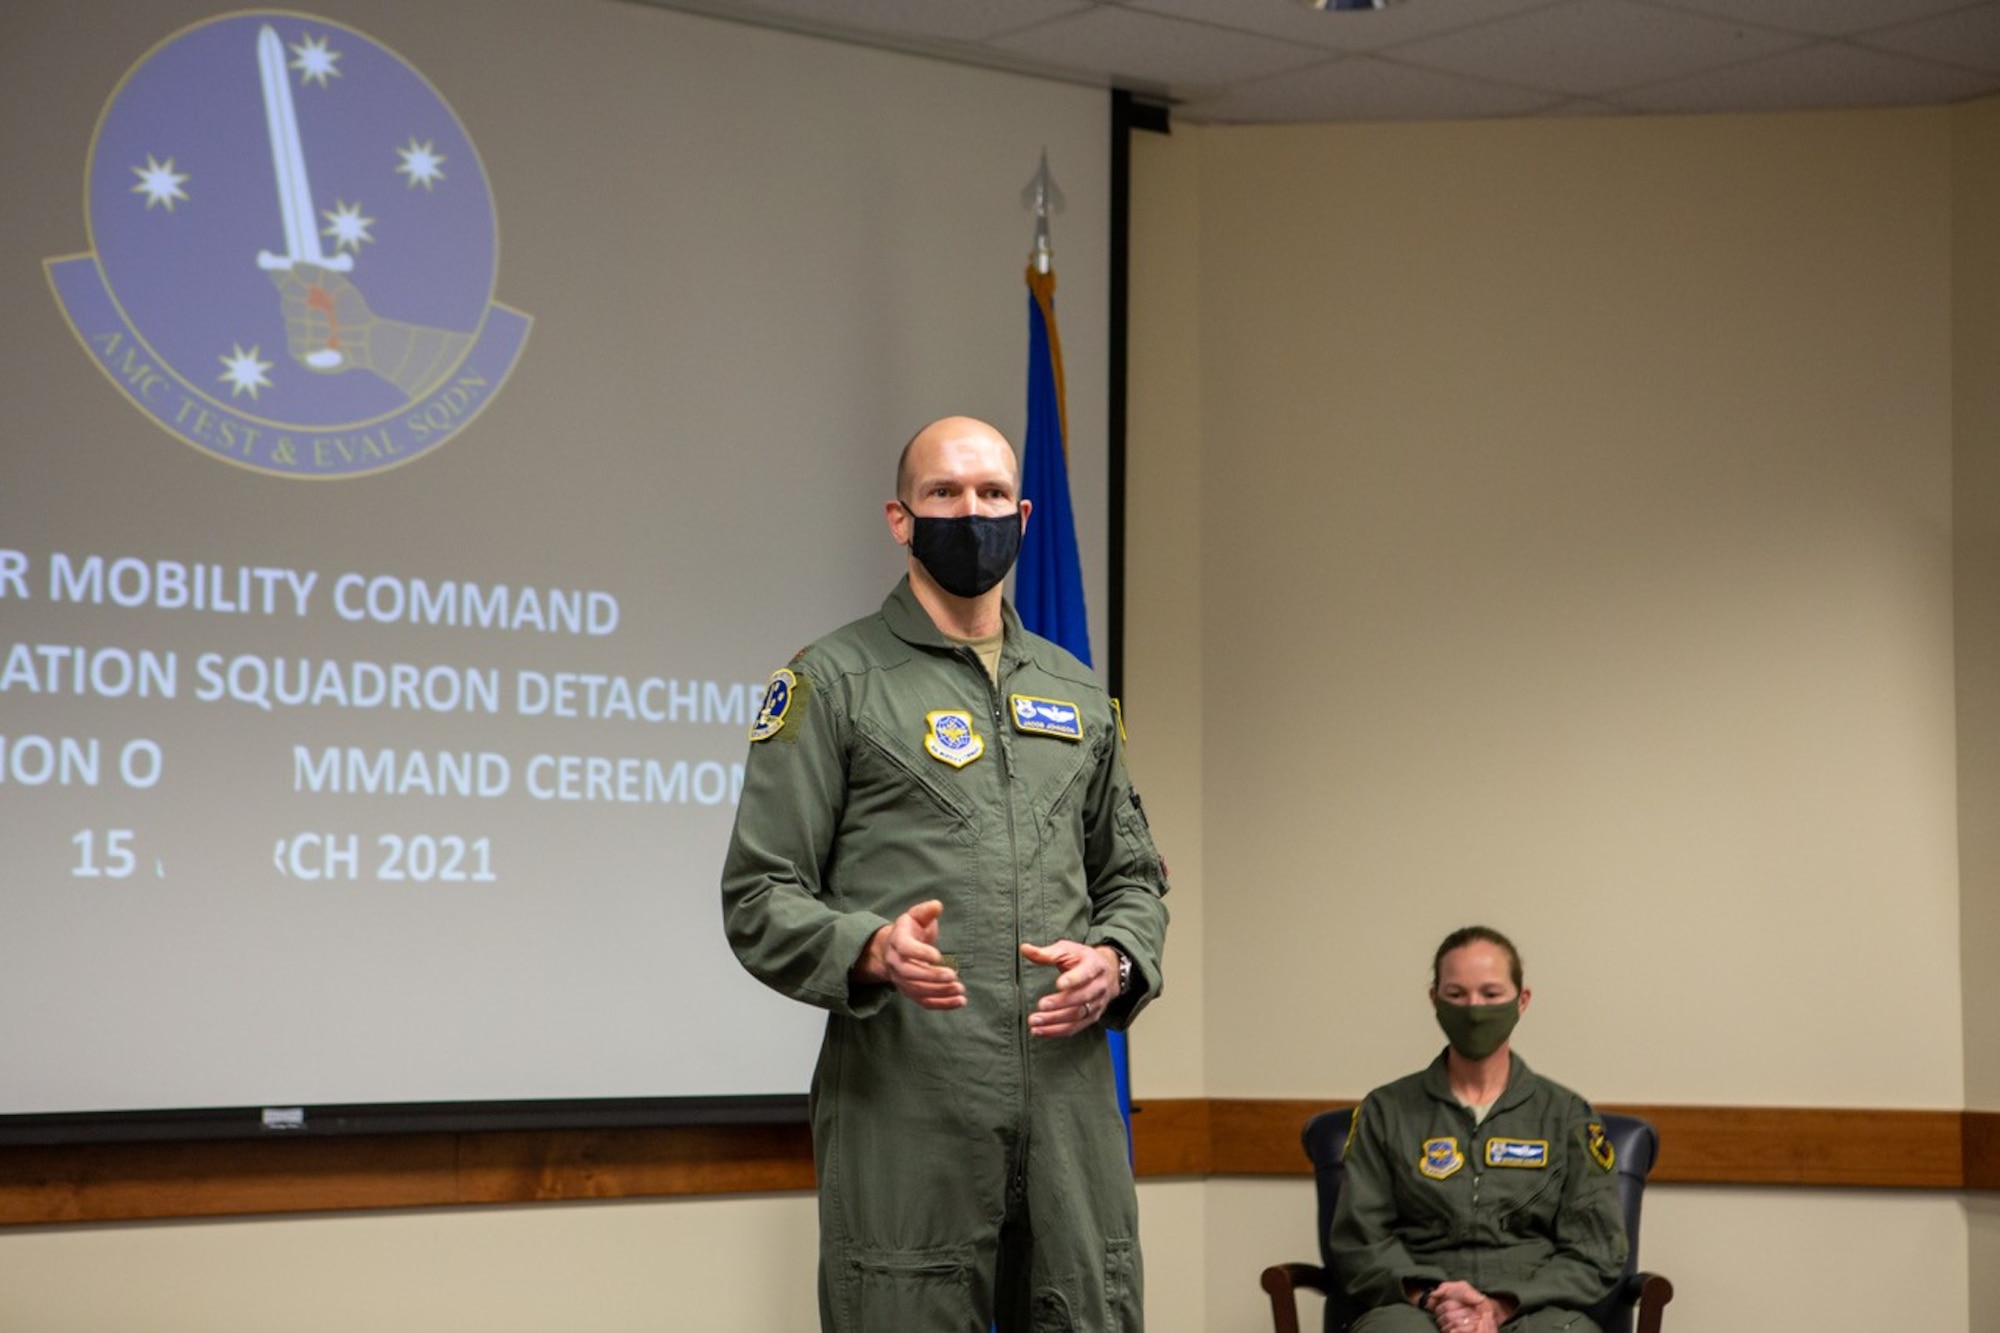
column 1363, row 88
column 1580, row 106
column 1968, row 37
column 1828, row 75
column 1238, row 60
column 941, row 20
column 1822, row 18
column 1593, row 47
column 1150, row 49
column 1349, row 30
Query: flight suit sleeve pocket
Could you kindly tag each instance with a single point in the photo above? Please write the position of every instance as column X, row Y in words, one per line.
column 1137, row 835
column 1122, row 1286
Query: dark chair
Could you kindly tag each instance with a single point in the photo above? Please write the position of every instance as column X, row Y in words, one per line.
column 1638, row 1295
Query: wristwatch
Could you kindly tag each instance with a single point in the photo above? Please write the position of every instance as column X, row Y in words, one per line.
column 1124, row 968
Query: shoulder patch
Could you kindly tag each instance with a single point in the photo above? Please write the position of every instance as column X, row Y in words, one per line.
column 1601, row 1151
column 1441, row 1158
column 1047, row 717
column 1517, row 1152
column 781, row 698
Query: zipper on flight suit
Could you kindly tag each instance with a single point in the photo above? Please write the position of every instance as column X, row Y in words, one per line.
column 1476, row 1151
column 1478, row 1157
column 1022, row 1038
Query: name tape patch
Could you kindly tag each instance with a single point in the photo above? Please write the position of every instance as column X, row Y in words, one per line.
column 1047, row 717
column 1517, row 1152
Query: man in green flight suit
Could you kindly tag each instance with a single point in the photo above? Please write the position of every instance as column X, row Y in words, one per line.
column 938, row 844
column 1478, row 1195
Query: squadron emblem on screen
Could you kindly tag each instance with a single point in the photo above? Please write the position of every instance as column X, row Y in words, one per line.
column 293, row 251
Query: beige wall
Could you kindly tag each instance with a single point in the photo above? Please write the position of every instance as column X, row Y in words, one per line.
column 1164, row 653
column 1577, row 510
column 1166, row 554
column 1576, row 530
column 1976, row 343
column 1976, row 528
column 606, row 1267
column 1983, row 1259
column 741, row 1264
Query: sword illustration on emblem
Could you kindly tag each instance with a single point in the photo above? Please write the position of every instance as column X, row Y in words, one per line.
column 288, row 162
column 330, row 328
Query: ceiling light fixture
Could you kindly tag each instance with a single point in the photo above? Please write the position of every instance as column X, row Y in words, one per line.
column 1348, row 4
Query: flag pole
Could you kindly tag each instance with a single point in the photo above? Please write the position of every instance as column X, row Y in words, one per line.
column 1048, row 580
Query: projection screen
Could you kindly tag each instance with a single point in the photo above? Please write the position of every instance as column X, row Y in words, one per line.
column 431, row 423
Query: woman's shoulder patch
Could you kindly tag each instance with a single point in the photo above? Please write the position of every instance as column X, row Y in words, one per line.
column 1601, row 1151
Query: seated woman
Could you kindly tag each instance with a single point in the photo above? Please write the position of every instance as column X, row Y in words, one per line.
column 1478, row 1195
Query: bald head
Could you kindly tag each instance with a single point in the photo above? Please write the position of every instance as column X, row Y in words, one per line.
column 953, row 447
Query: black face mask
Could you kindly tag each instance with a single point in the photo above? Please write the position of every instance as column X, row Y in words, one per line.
column 967, row 555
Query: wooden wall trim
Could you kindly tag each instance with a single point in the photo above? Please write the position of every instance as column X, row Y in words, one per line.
column 1762, row 1145
column 1982, row 1150
column 129, row 1181
column 1190, row 1137
column 1706, row 1145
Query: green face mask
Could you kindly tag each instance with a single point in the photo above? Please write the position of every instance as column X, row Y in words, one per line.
column 1475, row 1031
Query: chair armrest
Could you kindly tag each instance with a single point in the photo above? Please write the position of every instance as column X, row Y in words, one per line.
column 1654, row 1293
column 1282, row 1281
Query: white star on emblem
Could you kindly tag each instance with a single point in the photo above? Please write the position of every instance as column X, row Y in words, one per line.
column 346, row 226
column 243, row 372
column 315, row 63
column 421, row 163
column 160, row 183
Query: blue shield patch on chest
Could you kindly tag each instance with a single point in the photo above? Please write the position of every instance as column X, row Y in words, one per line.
column 1441, row 1158
column 949, row 737
column 1517, row 1152
column 1047, row 717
